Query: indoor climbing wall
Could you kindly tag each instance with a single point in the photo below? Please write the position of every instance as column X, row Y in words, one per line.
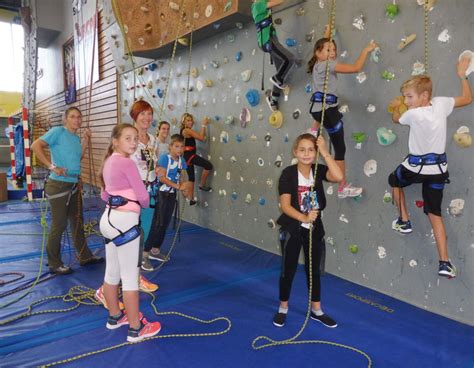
column 249, row 154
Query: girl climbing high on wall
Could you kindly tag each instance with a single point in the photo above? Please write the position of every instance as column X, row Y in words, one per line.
column 325, row 50
column 190, row 155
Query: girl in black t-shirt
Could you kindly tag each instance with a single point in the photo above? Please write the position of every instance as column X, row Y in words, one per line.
column 301, row 200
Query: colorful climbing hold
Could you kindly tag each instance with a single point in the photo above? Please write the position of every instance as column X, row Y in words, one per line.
column 290, row 42
column 385, row 136
column 261, row 201
column 359, row 137
column 391, row 11
column 276, row 119
column 238, row 55
column 253, row 97
column 353, row 248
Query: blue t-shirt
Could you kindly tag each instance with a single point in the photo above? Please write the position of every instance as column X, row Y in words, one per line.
column 66, row 152
column 173, row 170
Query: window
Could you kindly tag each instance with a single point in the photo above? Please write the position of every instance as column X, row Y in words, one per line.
column 11, row 61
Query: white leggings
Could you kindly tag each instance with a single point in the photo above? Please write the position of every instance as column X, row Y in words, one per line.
column 122, row 261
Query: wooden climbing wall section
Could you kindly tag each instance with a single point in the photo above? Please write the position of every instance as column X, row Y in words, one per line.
column 151, row 26
column 102, row 115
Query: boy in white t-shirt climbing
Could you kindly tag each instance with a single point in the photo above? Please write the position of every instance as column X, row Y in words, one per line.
column 426, row 162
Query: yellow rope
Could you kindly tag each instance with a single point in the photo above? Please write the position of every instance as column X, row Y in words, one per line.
column 426, row 30
column 292, row 341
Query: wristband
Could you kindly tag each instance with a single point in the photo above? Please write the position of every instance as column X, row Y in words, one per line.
column 465, row 77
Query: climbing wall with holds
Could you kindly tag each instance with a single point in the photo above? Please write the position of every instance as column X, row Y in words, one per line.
column 249, row 150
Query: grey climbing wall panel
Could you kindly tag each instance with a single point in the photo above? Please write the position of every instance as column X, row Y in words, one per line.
column 402, row 266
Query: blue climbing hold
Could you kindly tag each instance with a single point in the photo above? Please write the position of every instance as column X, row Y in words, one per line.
column 261, row 201
column 238, row 56
column 253, row 97
column 308, row 88
column 238, row 138
column 290, row 42
column 234, row 195
column 159, row 92
column 152, row 66
column 217, row 118
column 154, row 123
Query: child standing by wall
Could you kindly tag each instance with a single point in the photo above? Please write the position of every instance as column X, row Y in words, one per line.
column 268, row 42
column 170, row 169
column 325, row 50
column 125, row 194
column 426, row 162
column 301, row 216
column 191, row 156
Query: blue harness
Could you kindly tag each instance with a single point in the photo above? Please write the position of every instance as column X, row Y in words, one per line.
column 267, row 22
column 422, row 160
column 125, row 236
column 318, row 96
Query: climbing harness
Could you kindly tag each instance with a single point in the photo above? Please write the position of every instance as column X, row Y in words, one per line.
column 318, row 97
column 124, row 237
column 293, row 340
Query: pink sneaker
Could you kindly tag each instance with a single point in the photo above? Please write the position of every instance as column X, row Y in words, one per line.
column 122, row 320
column 147, row 329
column 313, row 131
column 99, row 296
column 348, row 191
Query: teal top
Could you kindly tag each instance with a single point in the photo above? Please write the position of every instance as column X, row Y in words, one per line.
column 66, row 152
column 260, row 12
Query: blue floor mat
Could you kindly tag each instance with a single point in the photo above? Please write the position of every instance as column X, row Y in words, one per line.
column 210, row 275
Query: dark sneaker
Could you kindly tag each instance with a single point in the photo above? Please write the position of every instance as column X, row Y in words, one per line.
column 277, row 83
column 92, row 261
column 158, row 257
column 146, row 264
column 61, row 270
column 325, row 320
column 403, row 227
column 205, row 188
column 446, row 269
column 192, row 202
column 272, row 104
column 279, row 319
column 122, row 320
column 147, row 329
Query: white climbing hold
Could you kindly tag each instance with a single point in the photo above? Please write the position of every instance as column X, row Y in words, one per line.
column 444, row 36
column 222, row 192
column 208, row 11
column 270, row 183
column 456, row 207
column 418, row 68
column 173, row 5
column 227, row 175
column 371, row 108
column 343, row 218
column 260, row 162
column 233, row 159
column 248, row 198
column 361, row 77
column 343, row 54
column 343, row 109
column 199, row 85
column 359, row 23
column 246, row 75
column 330, row 190
column 413, row 263
column 242, row 179
column 381, row 252
column 370, row 167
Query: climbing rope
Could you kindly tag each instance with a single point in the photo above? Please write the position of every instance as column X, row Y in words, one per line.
column 292, row 341
column 19, row 276
column 426, row 31
column 44, row 225
column 190, row 58
column 183, row 335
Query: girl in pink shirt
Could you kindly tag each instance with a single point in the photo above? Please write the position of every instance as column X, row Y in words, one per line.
column 125, row 194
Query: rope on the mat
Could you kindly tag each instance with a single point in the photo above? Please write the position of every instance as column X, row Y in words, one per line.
column 19, row 276
column 44, row 225
column 180, row 335
column 292, row 341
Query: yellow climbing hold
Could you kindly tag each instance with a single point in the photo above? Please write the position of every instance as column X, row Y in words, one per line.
column 276, row 119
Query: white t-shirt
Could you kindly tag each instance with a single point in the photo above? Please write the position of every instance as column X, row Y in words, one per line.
column 304, row 194
column 428, row 132
column 145, row 158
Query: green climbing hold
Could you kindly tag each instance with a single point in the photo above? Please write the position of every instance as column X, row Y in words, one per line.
column 385, row 136
column 388, row 75
column 359, row 137
column 353, row 248
column 357, row 198
column 391, row 11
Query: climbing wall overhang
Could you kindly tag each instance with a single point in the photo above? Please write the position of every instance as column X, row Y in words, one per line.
column 151, row 26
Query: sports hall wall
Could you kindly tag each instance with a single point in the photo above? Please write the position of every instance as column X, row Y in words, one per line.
column 361, row 246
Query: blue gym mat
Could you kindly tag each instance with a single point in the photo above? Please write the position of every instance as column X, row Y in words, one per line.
column 211, row 275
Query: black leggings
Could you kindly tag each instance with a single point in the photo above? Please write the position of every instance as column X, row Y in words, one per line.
column 290, row 249
column 197, row 161
column 332, row 116
column 284, row 61
column 161, row 219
